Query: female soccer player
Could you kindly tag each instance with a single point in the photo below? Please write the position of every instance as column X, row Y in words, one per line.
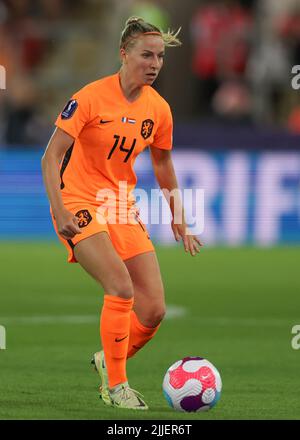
column 97, row 138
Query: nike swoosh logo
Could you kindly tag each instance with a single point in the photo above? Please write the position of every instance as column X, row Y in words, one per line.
column 102, row 121
column 121, row 339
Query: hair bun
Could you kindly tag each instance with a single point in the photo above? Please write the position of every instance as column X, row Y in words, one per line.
column 132, row 20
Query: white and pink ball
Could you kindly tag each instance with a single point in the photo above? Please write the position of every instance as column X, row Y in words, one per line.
column 192, row 384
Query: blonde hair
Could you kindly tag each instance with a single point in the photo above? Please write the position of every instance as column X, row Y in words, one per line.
column 136, row 26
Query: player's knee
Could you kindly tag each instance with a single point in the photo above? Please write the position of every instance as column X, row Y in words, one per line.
column 122, row 288
column 155, row 316
column 159, row 315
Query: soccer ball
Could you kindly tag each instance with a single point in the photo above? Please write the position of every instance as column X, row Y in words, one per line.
column 192, row 384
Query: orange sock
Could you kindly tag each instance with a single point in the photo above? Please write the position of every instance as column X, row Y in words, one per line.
column 139, row 334
column 114, row 331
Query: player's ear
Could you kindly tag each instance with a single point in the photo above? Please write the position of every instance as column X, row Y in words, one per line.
column 122, row 55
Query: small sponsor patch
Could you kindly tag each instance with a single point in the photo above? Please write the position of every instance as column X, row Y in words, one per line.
column 69, row 109
column 84, row 217
column 147, row 127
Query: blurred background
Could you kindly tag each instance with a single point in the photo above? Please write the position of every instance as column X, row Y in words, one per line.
column 236, row 135
column 237, row 117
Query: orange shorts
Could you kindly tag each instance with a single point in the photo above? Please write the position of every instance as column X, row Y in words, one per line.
column 128, row 239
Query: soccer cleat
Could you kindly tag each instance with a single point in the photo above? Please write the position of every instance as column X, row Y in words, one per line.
column 99, row 363
column 122, row 396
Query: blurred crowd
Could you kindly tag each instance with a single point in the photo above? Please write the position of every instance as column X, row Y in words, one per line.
column 242, row 53
column 41, row 43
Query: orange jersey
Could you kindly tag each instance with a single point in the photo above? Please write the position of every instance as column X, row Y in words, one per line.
column 109, row 133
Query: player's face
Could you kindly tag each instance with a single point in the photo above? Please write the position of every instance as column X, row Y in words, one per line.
column 144, row 60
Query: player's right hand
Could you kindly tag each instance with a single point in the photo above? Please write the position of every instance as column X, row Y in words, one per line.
column 67, row 225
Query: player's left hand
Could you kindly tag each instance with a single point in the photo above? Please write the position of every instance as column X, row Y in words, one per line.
column 191, row 243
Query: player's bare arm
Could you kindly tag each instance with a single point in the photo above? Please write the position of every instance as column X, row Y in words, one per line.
column 59, row 143
column 165, row 175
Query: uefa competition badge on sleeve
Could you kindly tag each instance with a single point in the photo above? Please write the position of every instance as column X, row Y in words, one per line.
column 69, row 109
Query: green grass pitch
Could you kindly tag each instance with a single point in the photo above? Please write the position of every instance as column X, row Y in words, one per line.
column 240, row 306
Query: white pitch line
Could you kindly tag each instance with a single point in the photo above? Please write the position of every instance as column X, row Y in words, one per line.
column 45, row 320
column 173, row 312
column 227, row 321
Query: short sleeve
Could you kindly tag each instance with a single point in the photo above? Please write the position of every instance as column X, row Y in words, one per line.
column 163, row 137
column 75, row 115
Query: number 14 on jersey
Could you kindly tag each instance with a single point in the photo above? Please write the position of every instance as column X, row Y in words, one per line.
column 122, row 147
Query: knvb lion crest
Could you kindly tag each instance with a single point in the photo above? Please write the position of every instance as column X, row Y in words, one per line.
column 147, row 127
column 84, row 218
